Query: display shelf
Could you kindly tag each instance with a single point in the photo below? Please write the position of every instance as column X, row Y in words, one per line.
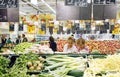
column 13, row 57
column 17, row 55
column 35, row 72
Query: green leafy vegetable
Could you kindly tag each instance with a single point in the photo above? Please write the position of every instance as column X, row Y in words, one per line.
column 4, row 63
column 22, row 46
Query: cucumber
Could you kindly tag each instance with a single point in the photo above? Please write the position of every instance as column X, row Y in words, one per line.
column 76, row 73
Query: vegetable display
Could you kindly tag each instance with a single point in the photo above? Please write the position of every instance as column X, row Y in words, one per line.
column 60, row 44
column 64, row 66
column 103, row 47
column 30, row 47
column 21, row 47
column 20, row 68
column 61, row 66
column 36, row 65
column 4, row 63
column 107, row 67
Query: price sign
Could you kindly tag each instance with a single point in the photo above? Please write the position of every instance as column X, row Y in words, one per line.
column 9, row 3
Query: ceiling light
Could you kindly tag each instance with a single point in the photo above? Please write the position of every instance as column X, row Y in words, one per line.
column 34, row 2
column 88, row 1
column 48, row 6
column 22, row 13
column 77, row 21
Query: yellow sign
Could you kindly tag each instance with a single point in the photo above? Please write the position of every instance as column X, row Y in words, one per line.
column 31, row 29
column 41, row 32
column 55, row 30
column 115, row 31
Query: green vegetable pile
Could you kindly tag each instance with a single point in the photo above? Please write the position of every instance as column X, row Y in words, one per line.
column 54, row 66
column 64, row 66
column 22, row 46
column 4, row 63
column 20, row 68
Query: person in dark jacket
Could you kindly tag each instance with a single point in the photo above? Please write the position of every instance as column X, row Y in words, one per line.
column 18, row 40
column 52, row 43
column 3, row 41
column 24, row 38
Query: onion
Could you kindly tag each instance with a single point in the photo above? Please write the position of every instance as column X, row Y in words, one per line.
column 31, row 68
column 29, row 64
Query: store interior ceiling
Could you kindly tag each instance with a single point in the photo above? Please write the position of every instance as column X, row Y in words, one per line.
column 41, row 6
column 37, row 6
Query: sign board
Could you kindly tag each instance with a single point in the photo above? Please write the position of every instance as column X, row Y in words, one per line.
column 104, row 2
column 79, row 3
column 64, row 12
column 9, row 3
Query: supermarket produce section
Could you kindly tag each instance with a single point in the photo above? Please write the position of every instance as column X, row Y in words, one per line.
column 59, row 38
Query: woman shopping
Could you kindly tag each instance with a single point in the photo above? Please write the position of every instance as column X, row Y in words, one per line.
column 81, row 47
column 52, row 44
column 70, row 46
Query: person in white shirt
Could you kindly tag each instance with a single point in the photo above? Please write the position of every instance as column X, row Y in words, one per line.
column 70, row 47
column 81, row 47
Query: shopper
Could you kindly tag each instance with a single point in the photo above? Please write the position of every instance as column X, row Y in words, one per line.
column 24, row 38
column 18, row 40
column 52, row 44
column 3, row 41
column 81, row 47
column 9, row 41
column 70, row 47
column 33, row 40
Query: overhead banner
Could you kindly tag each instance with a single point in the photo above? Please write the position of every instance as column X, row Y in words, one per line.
column 64, row 12
column 9, row 3
column 9, row 10
column 80, row 3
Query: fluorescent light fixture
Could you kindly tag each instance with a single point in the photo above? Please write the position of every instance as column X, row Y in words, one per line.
column 56, row 23
column 49, row 6
column 77, row 21
column 22, row 13
column 64, row 28
column 98, row 22
column 36, row 23
column 118, row 21
column 93, row 28
column 107, row 20
column 34, row 2
column 88, row 1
